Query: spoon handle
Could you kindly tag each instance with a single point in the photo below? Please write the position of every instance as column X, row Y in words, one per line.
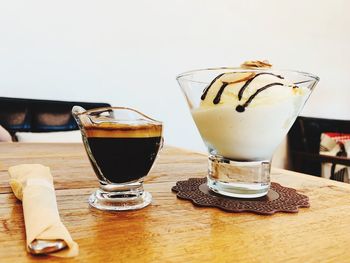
column 39, row 246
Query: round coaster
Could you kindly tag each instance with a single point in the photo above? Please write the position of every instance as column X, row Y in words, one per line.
column 278, row 199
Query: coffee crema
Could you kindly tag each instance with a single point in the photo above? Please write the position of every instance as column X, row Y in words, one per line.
column 121, row 130
column 122, row 152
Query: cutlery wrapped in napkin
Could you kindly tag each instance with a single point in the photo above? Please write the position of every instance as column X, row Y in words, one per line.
column 33, row 185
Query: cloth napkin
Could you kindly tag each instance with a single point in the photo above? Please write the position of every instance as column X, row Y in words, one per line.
column 33, row 185
column 335, row 144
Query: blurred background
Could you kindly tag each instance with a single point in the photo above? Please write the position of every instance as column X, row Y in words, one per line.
column 128, row 53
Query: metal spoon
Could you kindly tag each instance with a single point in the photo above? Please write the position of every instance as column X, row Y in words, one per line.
column 39, row 246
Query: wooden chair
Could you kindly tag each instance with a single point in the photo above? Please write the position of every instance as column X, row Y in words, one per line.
column 304, row 143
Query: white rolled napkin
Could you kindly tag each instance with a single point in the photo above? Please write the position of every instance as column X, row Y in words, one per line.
column 33, row 185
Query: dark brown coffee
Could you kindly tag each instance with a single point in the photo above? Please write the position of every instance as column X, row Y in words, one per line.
column 122, row 153
column 124, row 159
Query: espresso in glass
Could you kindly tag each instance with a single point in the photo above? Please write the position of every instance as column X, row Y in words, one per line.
column 123, row 153
column 122, row 145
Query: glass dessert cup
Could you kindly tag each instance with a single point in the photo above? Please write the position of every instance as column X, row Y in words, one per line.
column 242, row 115
column 122, row 145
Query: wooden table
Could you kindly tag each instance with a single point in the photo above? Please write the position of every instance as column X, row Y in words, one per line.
column 173, row 230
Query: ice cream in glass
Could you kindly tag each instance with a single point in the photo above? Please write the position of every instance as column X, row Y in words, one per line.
column 243, row 114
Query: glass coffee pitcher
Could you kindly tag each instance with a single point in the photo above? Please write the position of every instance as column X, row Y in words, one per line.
column 122, row 145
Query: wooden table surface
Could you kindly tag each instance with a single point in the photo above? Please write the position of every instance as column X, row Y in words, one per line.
column 173, row 230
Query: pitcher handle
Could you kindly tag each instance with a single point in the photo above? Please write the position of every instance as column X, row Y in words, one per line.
column 76, row 111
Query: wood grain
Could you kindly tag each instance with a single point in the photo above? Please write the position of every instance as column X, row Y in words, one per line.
column 173, row 230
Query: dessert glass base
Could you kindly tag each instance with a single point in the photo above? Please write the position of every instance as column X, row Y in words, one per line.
column 250, row 179
column 120, row 197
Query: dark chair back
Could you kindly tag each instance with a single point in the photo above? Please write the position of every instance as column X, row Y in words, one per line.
column 31, row 115
column 304, row 143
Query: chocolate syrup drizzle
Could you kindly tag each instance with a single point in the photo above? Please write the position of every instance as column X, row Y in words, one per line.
column 241, row 108
column 221, row 90
column 240, row 93
column 205, row 92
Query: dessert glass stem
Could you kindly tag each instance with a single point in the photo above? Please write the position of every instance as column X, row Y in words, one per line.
column 249, row 179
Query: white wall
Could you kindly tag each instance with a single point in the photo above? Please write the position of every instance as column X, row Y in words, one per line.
column 129, row 52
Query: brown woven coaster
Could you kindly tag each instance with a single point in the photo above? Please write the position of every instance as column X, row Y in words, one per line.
column 278, row 199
